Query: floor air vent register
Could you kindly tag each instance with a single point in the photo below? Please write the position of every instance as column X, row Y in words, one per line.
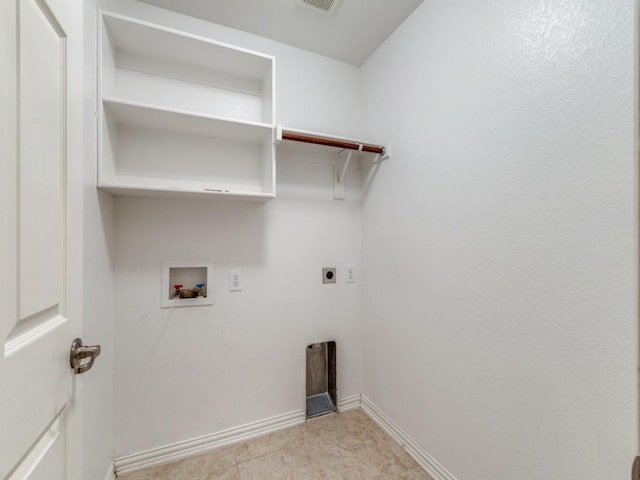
column 321, row 379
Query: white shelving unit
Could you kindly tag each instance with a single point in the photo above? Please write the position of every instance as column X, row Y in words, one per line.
column 183, row 115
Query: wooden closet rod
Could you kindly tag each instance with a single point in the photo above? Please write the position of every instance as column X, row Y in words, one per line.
column 331, row 142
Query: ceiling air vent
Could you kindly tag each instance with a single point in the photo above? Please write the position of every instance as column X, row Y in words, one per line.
column 326, row 6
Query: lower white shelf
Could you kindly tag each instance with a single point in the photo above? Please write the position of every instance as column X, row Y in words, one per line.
column 132, row 189
column 154, row 152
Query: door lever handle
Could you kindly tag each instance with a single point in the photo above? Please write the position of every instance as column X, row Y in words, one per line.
column 79, row 352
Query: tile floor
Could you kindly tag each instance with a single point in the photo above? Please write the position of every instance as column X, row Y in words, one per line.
column 347, row 446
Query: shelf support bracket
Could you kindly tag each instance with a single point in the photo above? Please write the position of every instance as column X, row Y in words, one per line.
column 341, row 170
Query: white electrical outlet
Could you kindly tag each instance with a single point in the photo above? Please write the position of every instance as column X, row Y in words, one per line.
column 351, row 274
column 235, row 280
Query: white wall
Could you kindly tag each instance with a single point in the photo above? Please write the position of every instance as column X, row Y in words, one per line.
column 187, row 372
column 500, row 285
column 99, row 296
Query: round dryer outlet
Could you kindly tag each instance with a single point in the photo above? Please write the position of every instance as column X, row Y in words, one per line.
column 329, row 275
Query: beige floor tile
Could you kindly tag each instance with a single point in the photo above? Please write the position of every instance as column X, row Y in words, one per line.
column 221, row 457
column 266, row 467
column 268, row 444
column 313, row 471
column 229, row 473
column 142, row 475
column 153, row 473
column 416, row 474
column 216, row 461
column 276, row 466
column 346, row 446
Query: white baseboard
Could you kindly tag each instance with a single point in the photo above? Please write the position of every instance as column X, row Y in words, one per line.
column 195, row 446
column 419, row 454
column 111, row 473
column 349, row 403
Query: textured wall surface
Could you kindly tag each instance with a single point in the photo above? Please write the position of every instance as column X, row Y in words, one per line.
column 499, row 244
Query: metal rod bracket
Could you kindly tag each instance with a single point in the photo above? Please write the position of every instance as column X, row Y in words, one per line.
column 341, row 170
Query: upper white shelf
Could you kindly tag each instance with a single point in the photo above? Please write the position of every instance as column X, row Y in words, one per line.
column 168, row 48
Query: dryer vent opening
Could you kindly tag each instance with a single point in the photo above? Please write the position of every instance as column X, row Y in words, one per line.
column 322, row 394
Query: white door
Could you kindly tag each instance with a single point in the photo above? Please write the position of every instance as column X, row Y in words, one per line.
column 40, row 237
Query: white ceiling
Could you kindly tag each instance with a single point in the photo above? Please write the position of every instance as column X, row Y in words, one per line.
column 351, row 32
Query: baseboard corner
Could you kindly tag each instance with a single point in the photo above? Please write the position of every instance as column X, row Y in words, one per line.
column 111, row 472
column 349, row 403
column 426, row 461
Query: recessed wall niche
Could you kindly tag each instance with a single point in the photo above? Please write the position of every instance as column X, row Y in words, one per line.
column 186, row 283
